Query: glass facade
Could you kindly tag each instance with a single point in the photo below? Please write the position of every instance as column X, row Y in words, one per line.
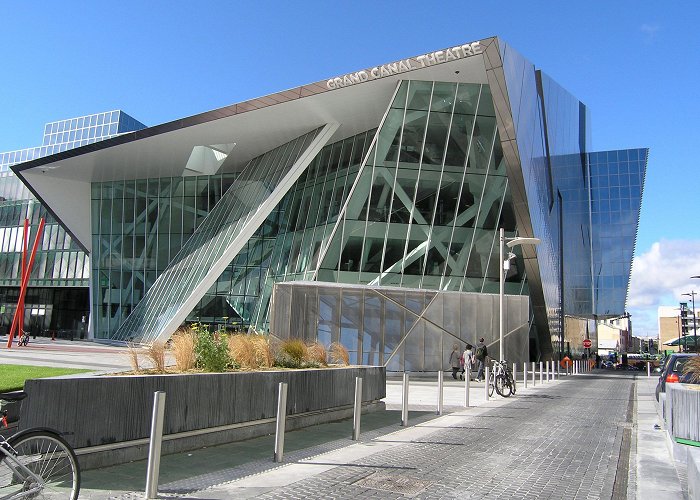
column 408, row 191
column 427, row 204
column 60, row 261
column 617, row 182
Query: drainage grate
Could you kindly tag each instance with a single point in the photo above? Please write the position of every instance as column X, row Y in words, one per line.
column 393, row 483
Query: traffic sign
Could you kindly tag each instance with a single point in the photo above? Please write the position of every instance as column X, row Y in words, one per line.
column 587, row 343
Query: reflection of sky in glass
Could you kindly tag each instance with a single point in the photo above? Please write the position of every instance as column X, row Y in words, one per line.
column 617, row 180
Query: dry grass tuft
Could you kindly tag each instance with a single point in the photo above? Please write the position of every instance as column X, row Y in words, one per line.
column 317, row 353
column 264, row 353
column 133, row 352
column 183, row 343
column 339, row 354
column 691, row 368
column 156, row 353
column 242, row 350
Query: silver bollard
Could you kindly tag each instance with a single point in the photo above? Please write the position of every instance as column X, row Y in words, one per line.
column 546, row 371
column 154, row 445
column 357, row 413
column 648, row 369
column 541, row 374
column 486, row 383
column 534, row 371
column 515, row 376
column 281, row 421
column 467, row 383
column 525, row 375
column 404, row 401
column 440, row 392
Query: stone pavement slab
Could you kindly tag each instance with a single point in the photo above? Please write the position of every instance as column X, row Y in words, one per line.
column 559, row 440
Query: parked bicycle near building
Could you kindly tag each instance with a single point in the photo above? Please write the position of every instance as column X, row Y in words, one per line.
column 37, row 463
column 501, row 379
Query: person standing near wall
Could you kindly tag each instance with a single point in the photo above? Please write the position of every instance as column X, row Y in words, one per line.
column 481, row 354
column 468, row 357
column 454, row 360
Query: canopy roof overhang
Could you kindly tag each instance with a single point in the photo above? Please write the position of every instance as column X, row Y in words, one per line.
column 357, row 101
column 690, row 340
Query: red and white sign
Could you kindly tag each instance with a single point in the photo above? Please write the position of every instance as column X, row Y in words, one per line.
column 587, row 343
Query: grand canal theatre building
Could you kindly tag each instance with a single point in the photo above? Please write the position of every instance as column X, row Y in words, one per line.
column 363, row 208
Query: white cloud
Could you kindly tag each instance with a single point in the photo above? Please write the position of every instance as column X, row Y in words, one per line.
column 659, row 277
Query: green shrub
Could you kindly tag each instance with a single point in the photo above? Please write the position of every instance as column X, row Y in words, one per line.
column 211, row 351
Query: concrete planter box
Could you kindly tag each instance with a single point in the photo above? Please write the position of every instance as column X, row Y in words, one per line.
column 683, row 411
column 107, row 419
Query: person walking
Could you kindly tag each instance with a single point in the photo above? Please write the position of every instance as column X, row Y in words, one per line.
column 454, row 360
column 482, row 353
column 468, row 357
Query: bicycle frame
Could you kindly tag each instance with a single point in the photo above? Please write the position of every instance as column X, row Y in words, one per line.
column 20, row 470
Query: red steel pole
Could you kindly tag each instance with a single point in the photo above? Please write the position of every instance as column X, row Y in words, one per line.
column 25, row 279
column 18, row 318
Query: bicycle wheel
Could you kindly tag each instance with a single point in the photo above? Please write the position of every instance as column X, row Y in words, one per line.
column 49, row 457
column 492, row 384
column 503, row 387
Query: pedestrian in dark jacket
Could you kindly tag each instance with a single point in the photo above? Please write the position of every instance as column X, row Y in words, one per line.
column 454, row 360
column 482, row 353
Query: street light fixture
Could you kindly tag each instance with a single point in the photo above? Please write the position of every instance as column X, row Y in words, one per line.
column 505, row 265
column 692, row 295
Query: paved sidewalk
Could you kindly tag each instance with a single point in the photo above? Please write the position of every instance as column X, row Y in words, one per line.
column 584, row 436
column 572, row 438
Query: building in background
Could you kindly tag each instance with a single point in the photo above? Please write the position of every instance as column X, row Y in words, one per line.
column 376, row 198
column 57, row 299
column 675, row 323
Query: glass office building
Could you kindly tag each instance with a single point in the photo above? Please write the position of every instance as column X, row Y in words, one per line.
column 395, row 177
column 57, row 299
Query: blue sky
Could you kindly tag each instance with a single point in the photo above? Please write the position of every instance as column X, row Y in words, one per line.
column 635, row 64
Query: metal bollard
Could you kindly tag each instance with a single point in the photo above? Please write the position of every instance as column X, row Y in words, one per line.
column 534, row 371
column 404, row 401
column 154, row 445
column 440, row 392
column 648, row 369
column 515, row 375
column 525, row 375
column 357, row 413
column 486, row 383
column 281, row 421
column 467, row 383
column 546, row 371
column 541, row 379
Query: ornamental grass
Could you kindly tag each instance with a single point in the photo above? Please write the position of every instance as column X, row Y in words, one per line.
column 242, row 350
column 133, row 352
column 691, row 369
column 156, row 353
column 317, row 353
column 183, row 343
column 339, row 354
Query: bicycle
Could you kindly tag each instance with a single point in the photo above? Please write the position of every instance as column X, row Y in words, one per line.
column 501, row 379
column 37, row 463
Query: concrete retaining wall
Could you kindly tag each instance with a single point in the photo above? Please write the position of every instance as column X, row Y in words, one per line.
column 683, row 419
column 96, row 413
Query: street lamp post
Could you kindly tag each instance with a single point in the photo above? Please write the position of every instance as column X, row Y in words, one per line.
column 692, row 295
column 504, row 266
